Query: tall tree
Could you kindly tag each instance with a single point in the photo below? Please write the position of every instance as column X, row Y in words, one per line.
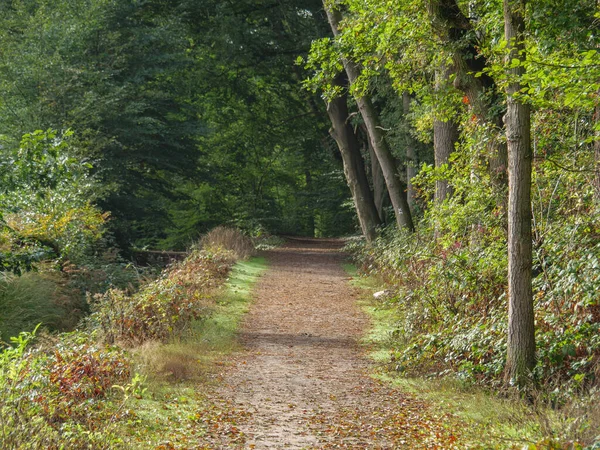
column 396, row 187
column 445, row 135
column 521, row 328
column 354, row 167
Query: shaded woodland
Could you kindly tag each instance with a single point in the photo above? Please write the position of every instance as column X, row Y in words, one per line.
column 456, row 143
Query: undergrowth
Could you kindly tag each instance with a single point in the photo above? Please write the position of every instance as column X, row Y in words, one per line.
column 175, row 413
column 61, row 393
column 449, row 322
column 491, row 421
column 447, row 287
column 84, row 389
column 164, row 307
column 451, row 307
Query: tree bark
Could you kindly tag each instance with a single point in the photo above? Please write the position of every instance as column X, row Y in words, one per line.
column 445, row 135
column 354, row 167
column 411, row 156
column 521, row 328
column 482, row 92
column 379, row 189
column 597, row 156
column 396, row 187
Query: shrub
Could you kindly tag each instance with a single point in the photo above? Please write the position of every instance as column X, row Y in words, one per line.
column 444, row 296
column 226, row 238
column 59, row 395
column 46, row 199
column 165, row 306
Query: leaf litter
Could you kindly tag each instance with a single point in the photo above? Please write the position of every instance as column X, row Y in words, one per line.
column 302, row 380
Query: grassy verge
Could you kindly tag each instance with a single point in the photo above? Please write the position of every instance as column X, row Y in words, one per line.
column 490, row 422
column 178, row 408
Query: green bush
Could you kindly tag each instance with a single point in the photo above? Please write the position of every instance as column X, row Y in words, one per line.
column 444, row 297
column 46, row 200
column 165, row 306
column 59, row 394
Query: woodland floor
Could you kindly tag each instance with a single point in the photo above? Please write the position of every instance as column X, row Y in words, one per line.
column 301, row 380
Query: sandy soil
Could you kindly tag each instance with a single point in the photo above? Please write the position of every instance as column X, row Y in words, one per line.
column 303, row 378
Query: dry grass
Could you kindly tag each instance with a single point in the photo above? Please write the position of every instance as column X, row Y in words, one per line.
column 577, row 421
column 226, row 238
column 170, row 362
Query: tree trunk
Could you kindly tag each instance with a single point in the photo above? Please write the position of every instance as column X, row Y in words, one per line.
column 521, row 329
column 311, row 210
column 445, row 135
column 482, row 92
column 396, row 187
column 354, row 167
column 379, row 189
column 411, row 156
column 597, row 156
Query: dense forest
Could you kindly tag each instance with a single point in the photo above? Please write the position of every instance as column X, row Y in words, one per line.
column 456, row 143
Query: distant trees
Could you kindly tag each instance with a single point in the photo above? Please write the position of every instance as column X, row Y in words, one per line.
column 190, row 113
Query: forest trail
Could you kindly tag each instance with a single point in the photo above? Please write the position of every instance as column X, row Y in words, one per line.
column 302, row 379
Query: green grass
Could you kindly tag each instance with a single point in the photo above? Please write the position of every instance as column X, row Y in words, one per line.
column 244, row 276
column 177, row 407
column 490, row 422
column 352, row 271
column 218, row 332
column 26, row 301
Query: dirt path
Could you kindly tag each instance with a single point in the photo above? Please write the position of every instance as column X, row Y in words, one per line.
column 303, row 379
